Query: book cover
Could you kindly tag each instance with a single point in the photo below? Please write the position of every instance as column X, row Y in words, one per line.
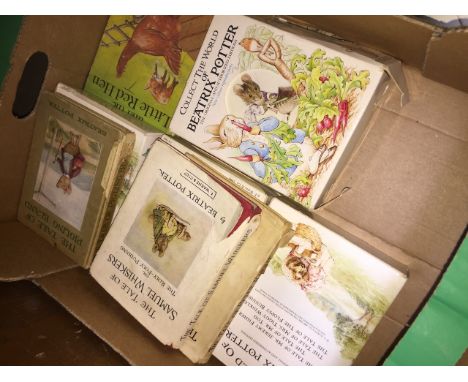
column 281, row 108
column 75, row 167
column 317, row 303
column 144, row 135
column 139, row 67
column 176, row 233
column 238, row 179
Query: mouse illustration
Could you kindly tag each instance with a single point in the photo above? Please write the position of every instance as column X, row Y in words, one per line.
column 283, row 101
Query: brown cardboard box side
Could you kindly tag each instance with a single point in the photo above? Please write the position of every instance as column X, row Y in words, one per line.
column 407, row 180
column 438, row 52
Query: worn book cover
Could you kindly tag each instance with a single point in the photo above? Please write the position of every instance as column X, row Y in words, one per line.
column 239, row 180
column 144, row 135
column 75, row 169
column 317, row 303
column 140, row 68
column 175, row 236
column 281, row 108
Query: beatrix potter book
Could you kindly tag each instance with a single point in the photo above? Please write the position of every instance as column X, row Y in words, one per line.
column 144, row 135
column 317, row 303
column 139, row 67
column 76, row 168
column 183, row 237
column 281, row 108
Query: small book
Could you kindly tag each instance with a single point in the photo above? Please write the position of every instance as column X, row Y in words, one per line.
column 184, row 249
column 140, row 68
column 144, row 135
column 317, row 303
column 283, row 108
column 75, row 170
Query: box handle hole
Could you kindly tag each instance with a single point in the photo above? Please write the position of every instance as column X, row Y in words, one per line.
column 30, row 85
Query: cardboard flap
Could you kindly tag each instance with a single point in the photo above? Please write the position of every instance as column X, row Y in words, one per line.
column 446, row 58
column 394, row 69
column 108, row 320
column 25, row 255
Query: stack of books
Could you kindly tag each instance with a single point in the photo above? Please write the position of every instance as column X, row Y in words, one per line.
column 187, row 188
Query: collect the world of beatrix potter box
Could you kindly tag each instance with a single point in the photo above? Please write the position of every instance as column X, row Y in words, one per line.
column 284, row 109
column 139, row 67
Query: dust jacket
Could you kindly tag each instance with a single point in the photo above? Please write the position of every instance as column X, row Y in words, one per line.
column 182, row 231
column 317, row 303
column 75, row 170
column 139, row 67
column 284, row 109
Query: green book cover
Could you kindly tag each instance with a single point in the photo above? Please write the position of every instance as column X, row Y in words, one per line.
column 140, row 68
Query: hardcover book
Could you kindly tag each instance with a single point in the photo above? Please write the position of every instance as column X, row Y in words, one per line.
column 140, row 68
column 283, row 109
column 183, row 236
column 75, row 170
column 317, row 303
column 144, row 135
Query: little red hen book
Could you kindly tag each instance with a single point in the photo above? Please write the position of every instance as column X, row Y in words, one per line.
column 140, row 67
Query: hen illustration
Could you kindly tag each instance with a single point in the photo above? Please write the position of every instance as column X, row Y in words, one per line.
column 157, row 36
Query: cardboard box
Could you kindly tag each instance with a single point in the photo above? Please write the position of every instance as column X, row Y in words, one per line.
column 402, row 194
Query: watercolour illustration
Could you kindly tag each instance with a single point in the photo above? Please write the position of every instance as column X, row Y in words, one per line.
column 287, row 113
column 68, row 165
column 140, row 68
column 335, row 284
column 166, row 227
column 168, row 232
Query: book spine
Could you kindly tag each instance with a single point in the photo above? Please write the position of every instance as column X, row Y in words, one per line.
column 124, row 161
column 190, row 332
column 236, row 310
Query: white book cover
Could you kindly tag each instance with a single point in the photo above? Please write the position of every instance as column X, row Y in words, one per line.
column 317, row 303
column 168, row 243
column 245, row 184
column 144, row 136
column 282, row 108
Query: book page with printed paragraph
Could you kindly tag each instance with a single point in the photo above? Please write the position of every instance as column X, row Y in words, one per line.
column 318, row 301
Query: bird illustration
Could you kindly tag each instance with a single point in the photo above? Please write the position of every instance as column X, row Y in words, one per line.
column 157, row 36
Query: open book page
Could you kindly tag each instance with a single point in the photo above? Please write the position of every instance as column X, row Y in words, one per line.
column 317, row 302
column 168, row 243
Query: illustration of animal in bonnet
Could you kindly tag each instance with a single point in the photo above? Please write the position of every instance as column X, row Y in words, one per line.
column 308, row 261
column 71, row 161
